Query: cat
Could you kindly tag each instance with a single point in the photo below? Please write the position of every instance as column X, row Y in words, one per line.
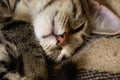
column 55, row 23
column 76, row 26
column 57, row 28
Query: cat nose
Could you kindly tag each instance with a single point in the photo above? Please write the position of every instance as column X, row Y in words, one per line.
column 60, row 39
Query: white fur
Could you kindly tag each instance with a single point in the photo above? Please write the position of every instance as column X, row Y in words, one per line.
column 43, row 22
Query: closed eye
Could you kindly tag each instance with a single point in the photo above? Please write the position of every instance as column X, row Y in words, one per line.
column 46, row 36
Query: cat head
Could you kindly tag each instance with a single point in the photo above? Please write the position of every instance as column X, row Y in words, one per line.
column 55, row 21
column 53, row 27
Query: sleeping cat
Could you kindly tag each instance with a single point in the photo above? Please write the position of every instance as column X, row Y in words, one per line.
column 53, row 25
column 59, row 25
column 77, row 22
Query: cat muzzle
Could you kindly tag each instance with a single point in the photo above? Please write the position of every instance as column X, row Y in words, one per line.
column 60, row 39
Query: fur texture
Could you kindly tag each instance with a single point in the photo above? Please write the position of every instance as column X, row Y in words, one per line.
column 56, row 22
column 88, row 60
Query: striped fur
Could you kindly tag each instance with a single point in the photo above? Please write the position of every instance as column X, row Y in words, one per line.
column 66, row 21
column 53, row 18
column 28, row 62
column 57, row 20
column 9, row 57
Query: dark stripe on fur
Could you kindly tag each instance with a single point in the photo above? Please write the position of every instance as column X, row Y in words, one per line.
column 12, row 7
column 78, row 29
column 74, row 8
column 2, row 4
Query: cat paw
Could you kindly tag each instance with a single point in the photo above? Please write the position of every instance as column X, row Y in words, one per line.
column 64, row 54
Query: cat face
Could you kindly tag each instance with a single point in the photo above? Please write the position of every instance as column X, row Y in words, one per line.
column 54, row 22
column 50, row 25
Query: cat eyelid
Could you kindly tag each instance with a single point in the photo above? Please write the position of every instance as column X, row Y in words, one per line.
column 46, row 36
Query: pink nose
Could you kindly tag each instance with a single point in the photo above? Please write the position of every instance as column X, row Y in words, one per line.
column 60, row 39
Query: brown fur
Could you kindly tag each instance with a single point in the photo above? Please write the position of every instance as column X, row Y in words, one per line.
column 99, row 54
column 85, row 60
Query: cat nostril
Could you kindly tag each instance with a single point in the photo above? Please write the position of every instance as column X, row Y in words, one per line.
column 62, row 36
column 60, row 39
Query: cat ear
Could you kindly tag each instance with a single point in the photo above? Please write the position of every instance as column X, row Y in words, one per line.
column 104, row 21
